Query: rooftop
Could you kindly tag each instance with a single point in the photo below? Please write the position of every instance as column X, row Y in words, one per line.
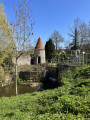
column 39, row 45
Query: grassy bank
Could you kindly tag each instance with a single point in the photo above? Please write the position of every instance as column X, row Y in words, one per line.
column 69, row 102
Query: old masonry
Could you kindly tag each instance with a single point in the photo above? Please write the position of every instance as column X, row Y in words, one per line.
column 35, row 57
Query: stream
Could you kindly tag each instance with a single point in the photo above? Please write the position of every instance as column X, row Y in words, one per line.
column 49, row 82
column 9, row 90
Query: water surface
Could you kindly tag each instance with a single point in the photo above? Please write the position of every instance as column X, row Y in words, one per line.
column 9, row 90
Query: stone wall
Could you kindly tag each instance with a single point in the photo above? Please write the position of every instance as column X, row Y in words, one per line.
column 41, row 54
column 24, row 59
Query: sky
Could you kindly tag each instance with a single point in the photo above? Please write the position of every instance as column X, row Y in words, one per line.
column 50, row 15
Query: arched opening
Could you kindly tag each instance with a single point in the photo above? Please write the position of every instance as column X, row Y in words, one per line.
column 32, row 61
column 39, row 60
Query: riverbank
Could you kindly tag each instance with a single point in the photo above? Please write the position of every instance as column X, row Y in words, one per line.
column 71, row 101
column 32, row 84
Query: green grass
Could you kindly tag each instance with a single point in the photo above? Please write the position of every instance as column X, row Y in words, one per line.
column 69, row 102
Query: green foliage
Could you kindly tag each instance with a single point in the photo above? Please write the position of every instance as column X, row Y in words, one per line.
column 49, row 49
column 78, row 79
column 5, row 68
column 83, row 72
column 2, row 75
column 7, row 63
column 6, row 45
column 71, row 101
column 24, row 75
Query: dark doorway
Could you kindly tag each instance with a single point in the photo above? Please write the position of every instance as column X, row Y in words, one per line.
column 32, row 61
column 39, row 60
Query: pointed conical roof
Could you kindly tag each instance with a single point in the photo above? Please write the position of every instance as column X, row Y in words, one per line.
column 39, row 45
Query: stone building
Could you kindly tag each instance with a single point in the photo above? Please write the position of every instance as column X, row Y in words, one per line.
column 39, row 52
column 35, row 57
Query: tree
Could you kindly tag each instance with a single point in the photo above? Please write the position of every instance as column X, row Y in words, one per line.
column 84, row 36
column 22, row 29
column 79, row 34
column 49, row 49
column 88, row 37
column 56, row 38
column 74, row 34
column 6, row 44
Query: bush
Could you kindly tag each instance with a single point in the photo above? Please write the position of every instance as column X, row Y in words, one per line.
column 2, row 76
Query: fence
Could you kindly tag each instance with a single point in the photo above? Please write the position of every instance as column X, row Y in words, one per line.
column 72, row 60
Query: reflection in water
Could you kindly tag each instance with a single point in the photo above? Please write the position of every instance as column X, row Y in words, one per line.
column 9, row 90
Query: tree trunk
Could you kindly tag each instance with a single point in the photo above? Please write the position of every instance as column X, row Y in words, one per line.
column 16, row 77
column 56, row 44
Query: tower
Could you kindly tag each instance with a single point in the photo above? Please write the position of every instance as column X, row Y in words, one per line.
column 39, row 52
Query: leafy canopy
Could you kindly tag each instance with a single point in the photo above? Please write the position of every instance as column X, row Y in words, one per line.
column 6, row 36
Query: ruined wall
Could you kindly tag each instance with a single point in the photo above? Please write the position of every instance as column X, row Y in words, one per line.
column 24, row 59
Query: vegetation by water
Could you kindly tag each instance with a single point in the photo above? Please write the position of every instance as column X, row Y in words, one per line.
column 71, row 101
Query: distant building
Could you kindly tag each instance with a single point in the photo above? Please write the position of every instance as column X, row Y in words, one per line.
column 37, row 56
